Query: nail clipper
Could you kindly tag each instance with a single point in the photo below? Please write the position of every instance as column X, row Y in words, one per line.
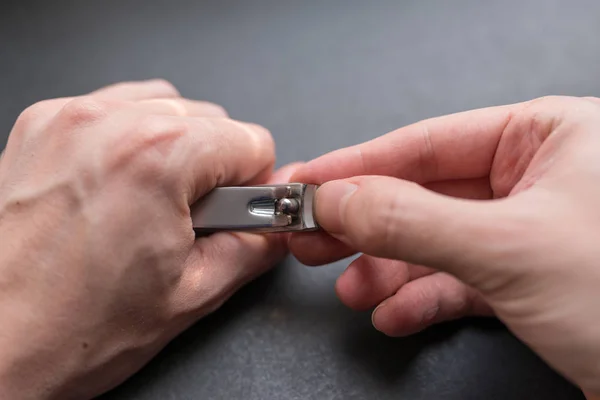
column 263, row 208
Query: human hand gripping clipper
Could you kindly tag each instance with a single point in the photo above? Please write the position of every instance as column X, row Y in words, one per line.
column 264, row 208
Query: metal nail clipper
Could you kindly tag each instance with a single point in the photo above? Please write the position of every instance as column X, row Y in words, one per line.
column 264, row 208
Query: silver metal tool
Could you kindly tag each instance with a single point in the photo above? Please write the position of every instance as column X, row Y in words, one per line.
column 264, row 208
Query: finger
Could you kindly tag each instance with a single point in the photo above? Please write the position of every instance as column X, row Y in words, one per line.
column 475, row 189
column 137, row 90
column 592, row 99
column 391, row 218
column 36, row 116
column 182, row 107
column 199, row 153
column 319, row 248
column 457, row 146
column 221, row 152
column 369, row 280
column 426, row 301
column 283, row 174
column 220, row 264
column 591, row 396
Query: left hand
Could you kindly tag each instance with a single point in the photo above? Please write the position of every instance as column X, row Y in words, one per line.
column 99, row 267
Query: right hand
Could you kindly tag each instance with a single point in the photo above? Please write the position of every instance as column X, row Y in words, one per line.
column 506, row 206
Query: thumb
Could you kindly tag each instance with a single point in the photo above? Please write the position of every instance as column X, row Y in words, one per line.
column 221, row 263
column 392, row 218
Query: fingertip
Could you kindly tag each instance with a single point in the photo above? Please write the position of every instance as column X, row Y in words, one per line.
column 426, row 301
column 305, row 174
column 348, row 290
column 369, row 280
column 411, row 309
column 285, row 173
column 374, row 319
column 268, row 176
column 395, row 319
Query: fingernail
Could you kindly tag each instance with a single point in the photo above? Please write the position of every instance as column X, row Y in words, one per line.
column 373, row 316
column 331, row 201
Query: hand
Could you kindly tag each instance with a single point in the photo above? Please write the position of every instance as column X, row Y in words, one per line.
column 99, row 266
column 504, row 200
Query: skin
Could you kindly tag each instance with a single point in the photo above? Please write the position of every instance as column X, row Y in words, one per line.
column 99, row 265
column 487, row 212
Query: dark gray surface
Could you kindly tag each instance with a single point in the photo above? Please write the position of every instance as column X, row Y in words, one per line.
column 321, row 75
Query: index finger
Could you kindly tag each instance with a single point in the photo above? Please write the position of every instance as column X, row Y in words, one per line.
column 456, row 146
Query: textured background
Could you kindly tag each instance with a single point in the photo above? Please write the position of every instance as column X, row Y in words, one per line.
column 321, row 75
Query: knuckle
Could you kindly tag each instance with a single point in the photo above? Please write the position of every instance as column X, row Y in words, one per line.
column 166, row 87
column 26, row 119
column 84, row 111
column 427, row 160
column 263, row 139
column 388, row 219
column 558, row 106
column 546, row 114
column 33, row 113
column 540, row 118
column 548, row 99
column 552, row 101
column 215, row 109
column 176, row 106
column 257, row 140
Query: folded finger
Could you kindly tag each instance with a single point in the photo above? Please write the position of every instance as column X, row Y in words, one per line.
column 219, row 152
column 369, row 280
column 220, row 264
column 426, row 301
